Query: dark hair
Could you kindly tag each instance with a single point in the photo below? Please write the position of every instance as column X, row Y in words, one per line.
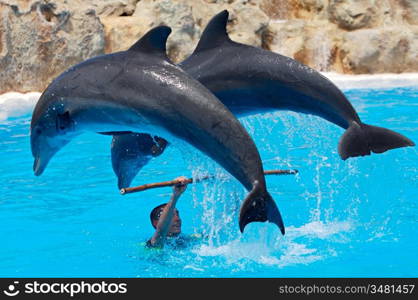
column 156, row 213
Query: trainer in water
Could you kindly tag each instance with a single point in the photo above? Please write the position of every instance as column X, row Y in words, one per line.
column 140, row 90
column 165, row 218
column 250, row 80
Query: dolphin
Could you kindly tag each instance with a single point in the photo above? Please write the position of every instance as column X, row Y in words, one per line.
column 141, row 90
column 250, row 80
column 135, row 156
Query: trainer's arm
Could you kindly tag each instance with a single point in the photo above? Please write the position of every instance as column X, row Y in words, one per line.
column 164, row 222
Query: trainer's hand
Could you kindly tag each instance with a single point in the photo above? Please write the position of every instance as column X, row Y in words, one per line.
column 180, row 187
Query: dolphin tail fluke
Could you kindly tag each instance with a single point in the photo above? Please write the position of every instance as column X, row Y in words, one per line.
column 362, row 139
column 259, row 206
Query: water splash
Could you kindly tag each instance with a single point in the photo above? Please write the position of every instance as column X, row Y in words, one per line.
column 285, row 140
column 321, row 52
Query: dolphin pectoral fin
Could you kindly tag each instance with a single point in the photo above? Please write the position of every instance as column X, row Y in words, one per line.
column 259, row 206
column 362, row 139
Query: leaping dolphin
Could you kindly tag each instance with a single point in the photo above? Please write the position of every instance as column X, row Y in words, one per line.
column 250, row 80
column 136, row 155
column 141, row 90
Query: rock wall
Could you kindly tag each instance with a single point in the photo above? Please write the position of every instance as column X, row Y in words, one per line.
column 40, row 39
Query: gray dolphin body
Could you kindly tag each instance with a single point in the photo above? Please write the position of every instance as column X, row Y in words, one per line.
column 250, row 80
column 140, row 90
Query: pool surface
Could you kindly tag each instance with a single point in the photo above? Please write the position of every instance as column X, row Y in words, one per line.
column 354, row 218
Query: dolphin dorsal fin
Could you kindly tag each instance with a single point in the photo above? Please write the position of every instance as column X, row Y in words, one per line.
column 153, row 42
column 215, row 33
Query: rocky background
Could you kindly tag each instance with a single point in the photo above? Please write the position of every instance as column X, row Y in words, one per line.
column 40, row 39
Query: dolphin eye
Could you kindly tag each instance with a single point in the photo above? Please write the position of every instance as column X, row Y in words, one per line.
column 38, row 131
column 63, row 121
column 58, row 125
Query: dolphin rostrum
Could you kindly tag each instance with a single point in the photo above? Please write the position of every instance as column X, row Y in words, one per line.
column 250, row 80
column 139, row 149
column 141, row 90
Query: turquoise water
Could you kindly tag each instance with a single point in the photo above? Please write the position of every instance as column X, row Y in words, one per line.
column 352, row 218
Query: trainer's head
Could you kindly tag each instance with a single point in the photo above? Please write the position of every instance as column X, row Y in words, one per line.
column 175, row 227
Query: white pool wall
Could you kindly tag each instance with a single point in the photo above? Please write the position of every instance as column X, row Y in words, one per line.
column 15, row 104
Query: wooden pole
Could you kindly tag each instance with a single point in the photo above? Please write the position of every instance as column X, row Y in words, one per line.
column 148, row 186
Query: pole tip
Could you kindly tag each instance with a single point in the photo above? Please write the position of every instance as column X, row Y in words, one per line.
column 122, row 191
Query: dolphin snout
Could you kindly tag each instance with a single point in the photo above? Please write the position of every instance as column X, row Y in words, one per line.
column 38, row 166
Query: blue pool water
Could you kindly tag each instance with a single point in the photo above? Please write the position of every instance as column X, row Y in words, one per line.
column 343, row 218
